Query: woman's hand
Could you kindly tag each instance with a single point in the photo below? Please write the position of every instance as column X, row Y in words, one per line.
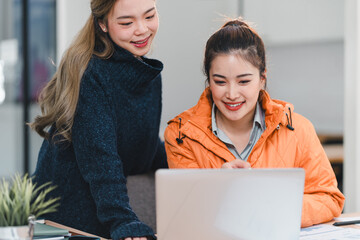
column 237, row 163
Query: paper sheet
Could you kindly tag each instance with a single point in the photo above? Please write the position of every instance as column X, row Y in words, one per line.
column 329, row 232
column 8, row 233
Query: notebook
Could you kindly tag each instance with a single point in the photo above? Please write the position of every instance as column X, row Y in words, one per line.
column 229, row 204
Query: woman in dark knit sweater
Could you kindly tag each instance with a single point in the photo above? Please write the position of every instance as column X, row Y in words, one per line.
column 100, row 120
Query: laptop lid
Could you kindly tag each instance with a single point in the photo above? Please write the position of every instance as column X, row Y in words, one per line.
column 229, row 204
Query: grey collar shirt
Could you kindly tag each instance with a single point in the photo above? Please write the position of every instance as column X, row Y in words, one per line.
column 257, row 130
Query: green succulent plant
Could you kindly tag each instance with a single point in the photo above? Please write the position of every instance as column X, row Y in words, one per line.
column 22, row 198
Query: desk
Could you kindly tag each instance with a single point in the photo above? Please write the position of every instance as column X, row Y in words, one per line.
column 328, row 231
column 348, row 215
column 78, row 232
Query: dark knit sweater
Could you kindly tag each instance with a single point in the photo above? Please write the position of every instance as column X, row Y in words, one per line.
column 115, row 134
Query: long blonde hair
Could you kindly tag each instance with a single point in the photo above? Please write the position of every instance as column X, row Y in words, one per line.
column 58, row 99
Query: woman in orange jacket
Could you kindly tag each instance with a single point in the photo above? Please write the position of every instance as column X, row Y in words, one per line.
column 236, row 124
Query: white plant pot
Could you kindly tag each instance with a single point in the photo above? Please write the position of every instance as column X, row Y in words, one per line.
column 14, row 233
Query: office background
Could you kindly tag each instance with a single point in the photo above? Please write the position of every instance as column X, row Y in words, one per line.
column 306, row 50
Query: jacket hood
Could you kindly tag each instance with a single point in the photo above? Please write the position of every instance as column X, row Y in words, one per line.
column 201, row 112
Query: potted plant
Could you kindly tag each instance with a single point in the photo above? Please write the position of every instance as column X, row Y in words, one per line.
column 20, row 199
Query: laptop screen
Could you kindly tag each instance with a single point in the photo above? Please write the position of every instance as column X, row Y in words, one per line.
column 229, row 203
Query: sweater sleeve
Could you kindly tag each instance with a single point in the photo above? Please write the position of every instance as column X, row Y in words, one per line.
column 95, row 146
column 160, row 157
column 322, row 199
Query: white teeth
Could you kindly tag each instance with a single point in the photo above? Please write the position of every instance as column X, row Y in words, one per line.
column 140, row 42
column 234, row 105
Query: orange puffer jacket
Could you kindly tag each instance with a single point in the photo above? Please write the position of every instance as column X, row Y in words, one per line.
column 278, row 147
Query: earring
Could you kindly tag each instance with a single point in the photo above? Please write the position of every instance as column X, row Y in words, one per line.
column 104, row 29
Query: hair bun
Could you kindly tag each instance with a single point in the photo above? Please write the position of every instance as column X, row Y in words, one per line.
column 236, row 23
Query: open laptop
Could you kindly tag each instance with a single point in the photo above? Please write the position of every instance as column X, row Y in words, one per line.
column 229, row 204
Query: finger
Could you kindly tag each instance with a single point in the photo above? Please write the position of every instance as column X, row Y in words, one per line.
column 226, row 165
column 238, row 163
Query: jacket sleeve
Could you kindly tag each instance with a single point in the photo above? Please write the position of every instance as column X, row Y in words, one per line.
column 322, row 199
column 179, row 155
column 95, row 146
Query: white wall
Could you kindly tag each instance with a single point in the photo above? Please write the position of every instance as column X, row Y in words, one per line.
column 70, row 17
column 297, row 21
column 185, row 27
column 311, row 76
column 352, row 107
column 305, row 51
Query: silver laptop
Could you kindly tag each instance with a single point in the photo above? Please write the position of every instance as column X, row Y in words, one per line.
column 229, row 204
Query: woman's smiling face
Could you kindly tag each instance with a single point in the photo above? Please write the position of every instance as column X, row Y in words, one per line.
column 132, row 25
column 235, row 85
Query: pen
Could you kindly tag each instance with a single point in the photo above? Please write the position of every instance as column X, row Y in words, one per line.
column 346, row 223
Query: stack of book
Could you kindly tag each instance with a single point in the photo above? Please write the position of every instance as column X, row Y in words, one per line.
column 47, row 232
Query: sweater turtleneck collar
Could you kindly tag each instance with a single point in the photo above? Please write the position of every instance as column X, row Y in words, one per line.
column 135, row 73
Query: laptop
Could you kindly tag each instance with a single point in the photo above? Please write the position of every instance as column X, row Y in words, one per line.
column 229, row 204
